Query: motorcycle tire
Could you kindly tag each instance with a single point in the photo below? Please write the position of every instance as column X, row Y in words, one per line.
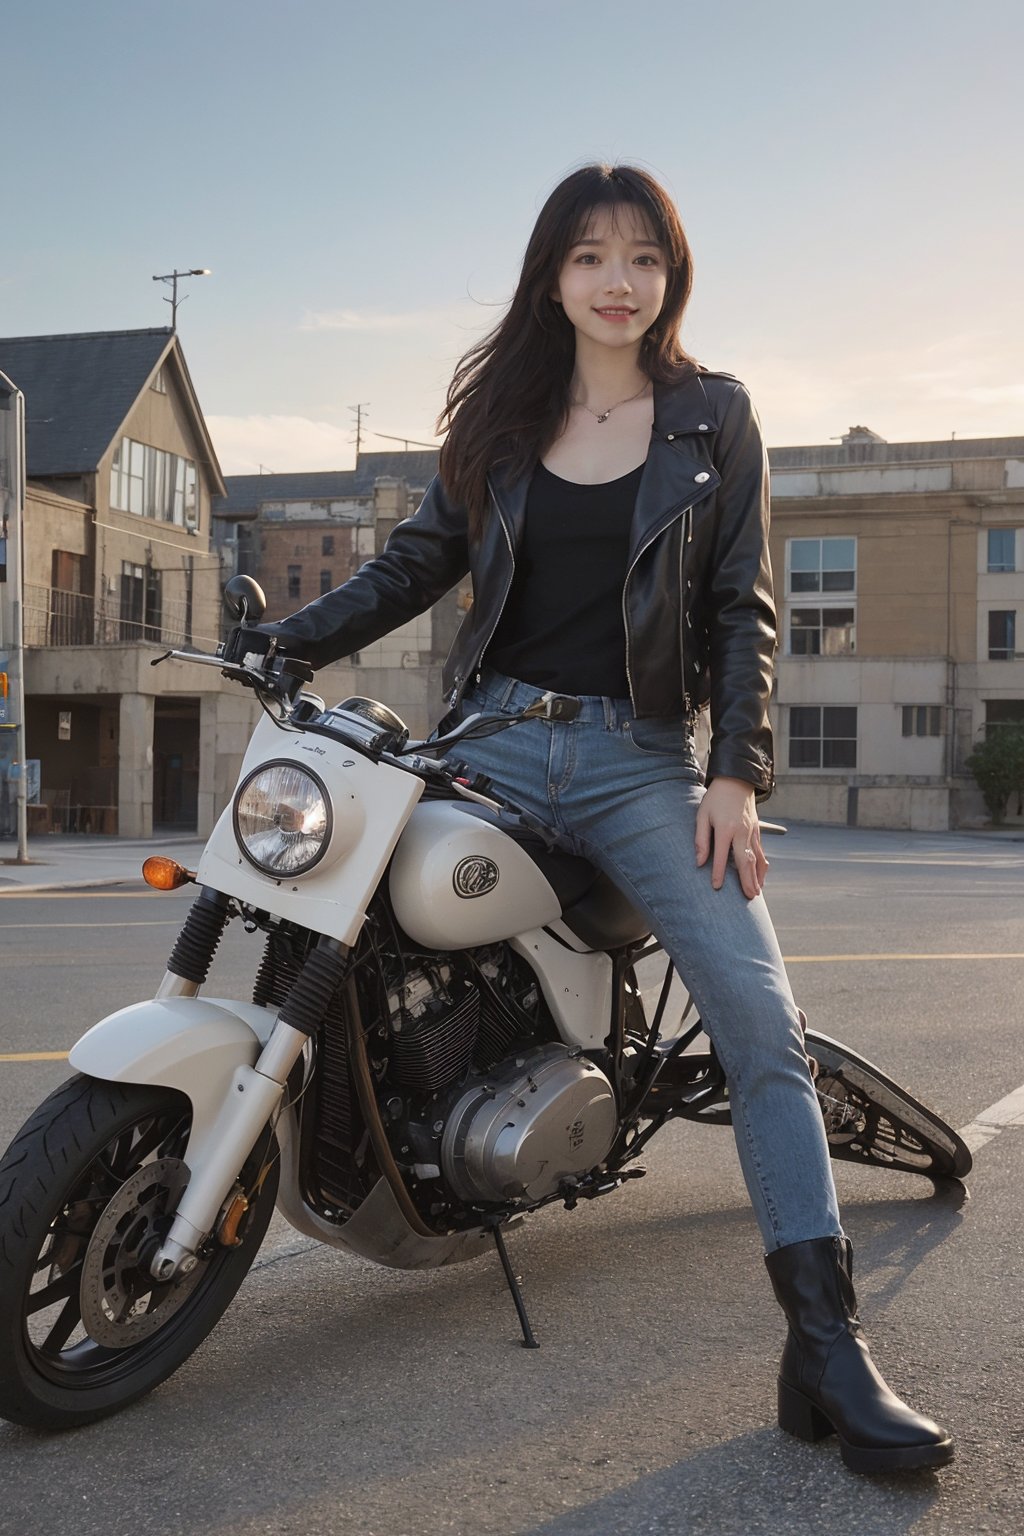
column 870, row 1119
column 87, row 1191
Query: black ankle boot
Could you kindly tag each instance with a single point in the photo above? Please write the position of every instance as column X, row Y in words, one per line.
column 827, row 1381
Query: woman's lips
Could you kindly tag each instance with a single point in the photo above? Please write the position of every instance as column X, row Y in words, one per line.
column 619, row 315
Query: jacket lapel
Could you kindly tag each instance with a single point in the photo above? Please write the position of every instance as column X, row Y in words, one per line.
column 679, row 472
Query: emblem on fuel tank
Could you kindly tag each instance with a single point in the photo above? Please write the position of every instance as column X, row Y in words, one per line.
column 475, row 876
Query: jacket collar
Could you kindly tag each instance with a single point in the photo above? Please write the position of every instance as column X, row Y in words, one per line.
column 678, row 472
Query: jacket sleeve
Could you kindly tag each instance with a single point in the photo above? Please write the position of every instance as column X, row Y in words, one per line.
column 424, row 557
column 741, row 610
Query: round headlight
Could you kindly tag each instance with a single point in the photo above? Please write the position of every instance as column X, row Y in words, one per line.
column 283, row 819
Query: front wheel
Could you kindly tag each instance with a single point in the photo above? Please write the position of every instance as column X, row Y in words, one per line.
column 870, row 1119
column 88, row 1190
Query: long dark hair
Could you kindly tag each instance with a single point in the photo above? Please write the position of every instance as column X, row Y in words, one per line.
column 509, row 397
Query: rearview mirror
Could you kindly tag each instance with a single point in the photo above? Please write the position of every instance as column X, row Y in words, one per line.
column 245, row 600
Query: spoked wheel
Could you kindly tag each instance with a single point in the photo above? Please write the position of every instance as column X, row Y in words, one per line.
column 870, row 1119
column 88, row 1191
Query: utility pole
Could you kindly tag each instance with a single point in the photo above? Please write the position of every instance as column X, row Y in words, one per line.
column 358, row 410
column 172, row 278
column 12, row 593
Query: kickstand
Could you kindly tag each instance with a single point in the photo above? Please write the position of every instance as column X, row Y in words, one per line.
column 529, row 1342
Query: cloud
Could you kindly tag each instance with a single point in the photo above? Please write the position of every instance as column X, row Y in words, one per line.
column 284, row 444
column 370, row 321
column 280, row 444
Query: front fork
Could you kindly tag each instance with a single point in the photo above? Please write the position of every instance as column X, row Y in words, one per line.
column 254, row 1093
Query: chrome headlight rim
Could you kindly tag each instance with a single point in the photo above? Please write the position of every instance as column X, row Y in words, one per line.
column 302, row 869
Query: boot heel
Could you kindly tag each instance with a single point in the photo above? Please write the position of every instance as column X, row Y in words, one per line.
column 799, row 1416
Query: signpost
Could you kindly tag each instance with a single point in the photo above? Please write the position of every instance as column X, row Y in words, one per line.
column 12, row 588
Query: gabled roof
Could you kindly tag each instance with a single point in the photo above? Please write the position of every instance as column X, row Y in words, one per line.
column 79, row 389
column 247, row 493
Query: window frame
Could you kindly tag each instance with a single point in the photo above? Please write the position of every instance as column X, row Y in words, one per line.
column 820, row 591
column 1008, row 651
column 795, row 608
column 154, row 483
column 1000, row 567
column 832, row 739
column 914, row 715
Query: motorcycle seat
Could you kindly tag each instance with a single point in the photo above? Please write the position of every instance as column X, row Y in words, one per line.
column 593, row 907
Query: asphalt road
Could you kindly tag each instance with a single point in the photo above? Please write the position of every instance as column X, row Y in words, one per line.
column 337, row 1397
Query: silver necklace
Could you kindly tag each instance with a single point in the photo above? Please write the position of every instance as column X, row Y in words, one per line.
column 602, row 416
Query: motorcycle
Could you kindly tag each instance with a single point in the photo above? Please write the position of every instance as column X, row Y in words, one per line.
column 447, row 1031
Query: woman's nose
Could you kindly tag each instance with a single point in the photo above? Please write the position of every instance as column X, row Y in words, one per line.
column 618, row 283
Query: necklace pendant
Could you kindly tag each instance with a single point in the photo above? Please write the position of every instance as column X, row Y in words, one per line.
column 604, row 418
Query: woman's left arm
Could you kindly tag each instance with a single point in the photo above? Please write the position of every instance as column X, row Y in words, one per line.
column 741, row 637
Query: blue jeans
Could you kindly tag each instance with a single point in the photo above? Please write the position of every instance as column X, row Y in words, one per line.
column 624, row 794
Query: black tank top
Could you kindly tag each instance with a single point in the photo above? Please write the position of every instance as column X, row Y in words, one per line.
column 562, row 626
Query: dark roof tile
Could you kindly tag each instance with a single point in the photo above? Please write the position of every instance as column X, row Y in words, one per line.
column 78, row 390
column 247, row 493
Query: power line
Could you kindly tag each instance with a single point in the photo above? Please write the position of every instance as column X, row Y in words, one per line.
column 405, row 441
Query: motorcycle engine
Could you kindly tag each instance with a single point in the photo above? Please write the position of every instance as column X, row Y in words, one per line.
column 491, row 1109
column 538, row 1118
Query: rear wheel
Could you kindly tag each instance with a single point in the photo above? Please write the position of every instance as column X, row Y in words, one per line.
column 870, row 1119
column 88, row 1191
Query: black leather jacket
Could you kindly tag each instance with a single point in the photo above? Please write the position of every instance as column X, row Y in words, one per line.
column 697, row 600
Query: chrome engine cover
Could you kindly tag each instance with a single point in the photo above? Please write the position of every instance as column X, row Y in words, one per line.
column 539, row 1117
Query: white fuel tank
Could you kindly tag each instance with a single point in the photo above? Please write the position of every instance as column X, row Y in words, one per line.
column 457, row 881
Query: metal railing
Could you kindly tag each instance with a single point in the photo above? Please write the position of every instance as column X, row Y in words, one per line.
column 57, row 618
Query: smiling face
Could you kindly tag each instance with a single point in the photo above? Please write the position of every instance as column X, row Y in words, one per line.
column 613, row 280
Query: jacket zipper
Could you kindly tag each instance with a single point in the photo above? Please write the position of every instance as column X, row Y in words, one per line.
column 687, row 536
column 460, row 682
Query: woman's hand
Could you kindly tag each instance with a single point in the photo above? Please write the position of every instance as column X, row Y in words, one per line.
column 727, row 818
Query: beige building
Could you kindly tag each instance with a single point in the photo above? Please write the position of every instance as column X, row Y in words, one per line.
column 899, row 573
column 120, row 566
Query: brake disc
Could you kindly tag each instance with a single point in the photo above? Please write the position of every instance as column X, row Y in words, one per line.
column 121, row 1302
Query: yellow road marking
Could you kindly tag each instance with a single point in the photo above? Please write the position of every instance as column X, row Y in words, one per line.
column 149, row 922
column 91, row 894
column 36, row 1056
column 823, row 959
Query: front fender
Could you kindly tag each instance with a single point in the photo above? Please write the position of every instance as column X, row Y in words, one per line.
column 192, row 1044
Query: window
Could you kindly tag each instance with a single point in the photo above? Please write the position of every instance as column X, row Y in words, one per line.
column 152, row 483
column 159, row 382
column 327, row 544
column 140, row 613
column 1003, row 712
column 294, row 581
column 822, row 736
column 922, row 719
column 326, row 584
column 821, row 565
column 1001, row 544
column 1002, row 627
column 821, row 631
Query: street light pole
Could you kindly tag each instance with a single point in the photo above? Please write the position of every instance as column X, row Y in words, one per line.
column 12, row 518
column 172, row 278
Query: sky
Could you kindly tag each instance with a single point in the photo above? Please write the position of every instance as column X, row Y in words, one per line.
column 361, row 179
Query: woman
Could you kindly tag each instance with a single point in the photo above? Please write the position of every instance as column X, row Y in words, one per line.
column 610, row 498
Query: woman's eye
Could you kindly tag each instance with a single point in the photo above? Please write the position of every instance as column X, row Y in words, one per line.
column 587, row 256
column 651, row 260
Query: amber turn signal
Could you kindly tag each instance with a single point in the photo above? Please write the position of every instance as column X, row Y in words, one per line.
column 165, row 874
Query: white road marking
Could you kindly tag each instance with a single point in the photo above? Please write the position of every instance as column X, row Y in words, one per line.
column 987, row 1126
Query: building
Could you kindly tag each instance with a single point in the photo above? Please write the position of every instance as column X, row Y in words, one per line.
column 899, row 571
column 119, row 567
column 300, row 535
